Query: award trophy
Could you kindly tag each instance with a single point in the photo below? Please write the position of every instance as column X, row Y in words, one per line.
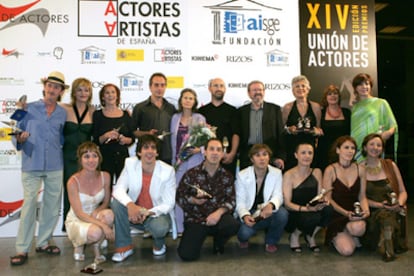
column 17, row 116
column 200, row 192
column 117, row 130
column 225, row 144
column 92, row 268
column 393, row 200
column 256, row 215
column 319, row 197
column 163, row 134
column 357, row 210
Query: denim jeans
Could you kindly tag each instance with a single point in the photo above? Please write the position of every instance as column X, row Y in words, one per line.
column 157, row 226
column 274, row 226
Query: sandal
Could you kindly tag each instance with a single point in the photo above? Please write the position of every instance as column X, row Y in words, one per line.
column 312, row 244
column 50, row 249
column 18, row 259
column 294, row 243
column 100, row 259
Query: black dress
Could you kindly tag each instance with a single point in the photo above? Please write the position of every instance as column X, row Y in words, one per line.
column 293, row 140
column 307, row 221
column 332, row 129
column 113, row 153
column 345, row 197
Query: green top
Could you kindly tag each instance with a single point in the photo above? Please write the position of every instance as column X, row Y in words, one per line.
column 372, row 115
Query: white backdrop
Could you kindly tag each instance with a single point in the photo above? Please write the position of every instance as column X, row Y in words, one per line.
column 124, row 42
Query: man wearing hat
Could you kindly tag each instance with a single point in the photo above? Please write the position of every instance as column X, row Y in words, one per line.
column 41, row 141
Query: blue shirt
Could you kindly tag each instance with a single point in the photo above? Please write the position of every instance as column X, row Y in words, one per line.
column 42, row 151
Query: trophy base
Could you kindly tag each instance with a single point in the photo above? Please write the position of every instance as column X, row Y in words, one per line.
column 92, row 269
column 357, row 215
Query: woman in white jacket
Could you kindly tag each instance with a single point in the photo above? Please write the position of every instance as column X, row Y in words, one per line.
column 259, row 199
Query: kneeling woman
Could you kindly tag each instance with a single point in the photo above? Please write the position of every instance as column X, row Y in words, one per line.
column 387, row 197
column 308, row 212
column 89, row 220
column 347, row 181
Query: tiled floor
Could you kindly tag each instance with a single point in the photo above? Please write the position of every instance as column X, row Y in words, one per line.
column 253, row 261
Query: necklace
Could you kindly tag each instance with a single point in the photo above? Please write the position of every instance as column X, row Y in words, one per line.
column 374, row 170
column 334, row 116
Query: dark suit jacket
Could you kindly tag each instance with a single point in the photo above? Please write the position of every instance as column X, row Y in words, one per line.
column 272, row 130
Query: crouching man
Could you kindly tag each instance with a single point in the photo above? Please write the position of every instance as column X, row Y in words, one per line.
column 206, row 194
column 144, row 198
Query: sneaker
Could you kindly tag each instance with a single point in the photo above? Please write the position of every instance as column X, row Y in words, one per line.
column 270, row 248
column 159, row 252
column 122, row 256
column 244, row 245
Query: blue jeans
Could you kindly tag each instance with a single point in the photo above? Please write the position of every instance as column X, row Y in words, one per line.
column 273, row 225
column 157, row 226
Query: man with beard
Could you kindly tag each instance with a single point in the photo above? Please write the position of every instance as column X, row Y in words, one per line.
column 206, row 194
column 260, row 122
column 222, row 115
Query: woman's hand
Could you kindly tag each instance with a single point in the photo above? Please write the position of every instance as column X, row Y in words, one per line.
column 109, row 232
column 292, row 130
column 317, row 207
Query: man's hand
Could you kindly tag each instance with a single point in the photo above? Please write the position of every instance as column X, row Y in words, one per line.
column 213, row 218
column 249, row 220
column 135, row 214
column 267, row 211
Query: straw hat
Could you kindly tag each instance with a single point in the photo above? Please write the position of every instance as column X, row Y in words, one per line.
column 56, row 77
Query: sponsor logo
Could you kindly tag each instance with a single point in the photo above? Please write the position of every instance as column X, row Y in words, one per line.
column 277, row 58
column 205, row 58
column 10, row 81
column 237, row 85
column 7, row 106
column 92, row 55
column 133, row 22
column 130, row 55
column 98, row 84
column 131, row 82
column 247, row 23
column 167, row 55
column 9, row 53
column 57, row 53
column 175, row 82
column 239, row 59
column 17, row 15
column 268, row 86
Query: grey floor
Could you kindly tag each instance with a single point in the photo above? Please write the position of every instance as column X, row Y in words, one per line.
column 234, row 261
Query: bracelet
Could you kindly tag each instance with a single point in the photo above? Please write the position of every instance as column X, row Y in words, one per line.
column 300, row 207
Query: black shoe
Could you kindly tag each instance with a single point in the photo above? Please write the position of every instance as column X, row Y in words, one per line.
column 218, row 249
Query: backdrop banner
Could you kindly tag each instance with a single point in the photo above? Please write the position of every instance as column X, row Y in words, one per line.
column 124, row 42
column 337, row 42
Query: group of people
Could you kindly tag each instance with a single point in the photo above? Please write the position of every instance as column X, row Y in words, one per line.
column 283, row 180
